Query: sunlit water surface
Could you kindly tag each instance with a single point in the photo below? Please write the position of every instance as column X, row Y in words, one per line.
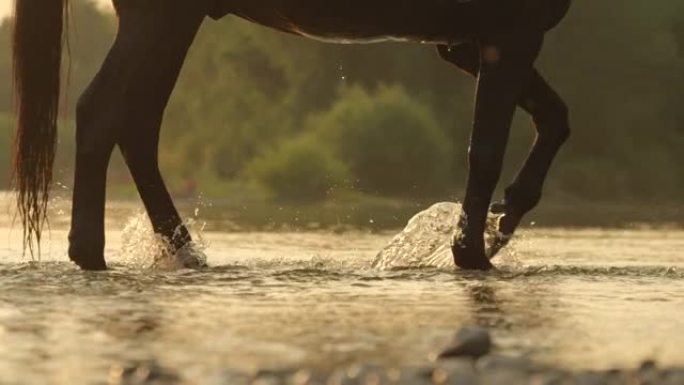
column 587, row 298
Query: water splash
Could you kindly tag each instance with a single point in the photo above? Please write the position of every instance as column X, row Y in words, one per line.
column 141, row 247
column 426, row 240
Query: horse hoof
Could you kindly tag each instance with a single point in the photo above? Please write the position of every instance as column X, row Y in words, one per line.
column 468, row 258
column 88, row 264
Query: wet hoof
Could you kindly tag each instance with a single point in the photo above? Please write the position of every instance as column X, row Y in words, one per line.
column 87, row 261
column 470, row 258
column 90, row 264
column 187, row 257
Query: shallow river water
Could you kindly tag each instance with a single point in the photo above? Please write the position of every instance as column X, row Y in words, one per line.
column 581, row 298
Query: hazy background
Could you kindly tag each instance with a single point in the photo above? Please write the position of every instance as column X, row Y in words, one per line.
column 260, row 116
column 6, row 6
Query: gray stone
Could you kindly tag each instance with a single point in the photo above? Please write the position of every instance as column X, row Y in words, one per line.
column 500, row 362
column 503, row 377
column 548, row 378
column 272, row 377
column 457, row 365
column 673, row 377
column 469, row 342
column 307, row 377
column 443, row 376
column 233, row 377
column 591, row 378
column 359, row 375
column 411, row 376
column 144, row 373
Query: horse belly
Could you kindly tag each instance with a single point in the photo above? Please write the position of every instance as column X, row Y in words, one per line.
column 359, row 21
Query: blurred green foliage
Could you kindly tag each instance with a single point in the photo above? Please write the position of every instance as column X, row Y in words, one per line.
column 298, row 170
column 392, row 143
column 299, row 116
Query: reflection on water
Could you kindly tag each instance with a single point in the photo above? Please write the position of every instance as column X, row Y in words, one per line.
column 577, row 298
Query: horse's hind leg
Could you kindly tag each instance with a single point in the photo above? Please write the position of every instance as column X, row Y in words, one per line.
column 550, row 115
column 125, row 104
column 95, row 140
column 505, row 72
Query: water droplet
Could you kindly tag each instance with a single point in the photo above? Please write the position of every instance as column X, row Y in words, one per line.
column 343, row 77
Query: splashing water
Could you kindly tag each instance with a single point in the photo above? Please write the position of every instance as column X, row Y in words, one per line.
column 143, row 248
column 426, row 240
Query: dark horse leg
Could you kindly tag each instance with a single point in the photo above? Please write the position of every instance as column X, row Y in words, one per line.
column 550, row 115
column 124, row 104
column 505, row 71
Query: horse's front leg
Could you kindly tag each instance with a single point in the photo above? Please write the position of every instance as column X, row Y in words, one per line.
column 550, row 115
column 505, row 70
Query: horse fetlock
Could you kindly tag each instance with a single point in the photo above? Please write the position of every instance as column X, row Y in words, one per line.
column 470, row 257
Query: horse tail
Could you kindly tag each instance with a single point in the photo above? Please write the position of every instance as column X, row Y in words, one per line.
column 37, row 60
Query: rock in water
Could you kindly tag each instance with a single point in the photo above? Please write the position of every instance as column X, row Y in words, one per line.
column 469, row 342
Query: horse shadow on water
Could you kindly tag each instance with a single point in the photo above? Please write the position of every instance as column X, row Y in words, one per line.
column 497, row 41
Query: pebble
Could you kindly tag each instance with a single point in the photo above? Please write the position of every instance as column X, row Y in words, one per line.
column 469, row 342
column 468, row 365
column 145, row 373
column 360, row 375
column 591, row 378
column 499, row 362
column 495, row 370
column 673, row 377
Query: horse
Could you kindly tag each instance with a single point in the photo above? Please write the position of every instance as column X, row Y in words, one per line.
column 496, row 41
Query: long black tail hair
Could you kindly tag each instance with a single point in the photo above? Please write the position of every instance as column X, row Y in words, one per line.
column 37, row 61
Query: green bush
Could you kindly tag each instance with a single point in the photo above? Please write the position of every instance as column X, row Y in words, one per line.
column 299, row 170
column 392, row 144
